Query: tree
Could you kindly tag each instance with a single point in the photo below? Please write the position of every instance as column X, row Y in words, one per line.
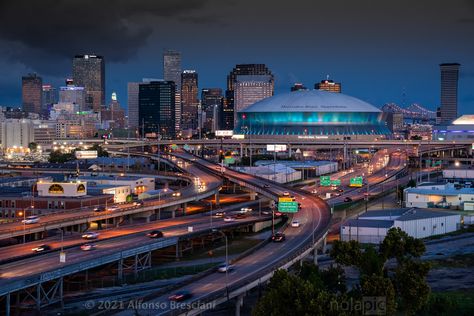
column 371, row 263
column 410, row 283
column 100, row 151
column 346, row 252
column 398, row 244
column 334, row 280
column 59, row 157
column 376, row 285
column 33, row 146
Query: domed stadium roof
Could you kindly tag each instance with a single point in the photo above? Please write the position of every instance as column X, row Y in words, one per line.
column 311, row 101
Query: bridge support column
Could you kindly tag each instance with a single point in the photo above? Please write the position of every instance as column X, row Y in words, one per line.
column 217, row 199
column 315, row 256
column 324, row 245
column 120, row 270
column 61, row 292
column 253, row 195
column 7, row 304
column 173, row 213
column 183, row 206
column 238, row 304
column 177, row 251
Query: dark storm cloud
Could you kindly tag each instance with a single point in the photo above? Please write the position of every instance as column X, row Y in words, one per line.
column 32, row 30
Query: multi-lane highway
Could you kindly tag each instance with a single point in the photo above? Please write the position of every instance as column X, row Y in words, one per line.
column 56, row 220
column 314, row 217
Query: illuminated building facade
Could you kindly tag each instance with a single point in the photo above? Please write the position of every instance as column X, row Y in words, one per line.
column 88, row 71
column 312, row 114
column 328, row 85
column 32, row 93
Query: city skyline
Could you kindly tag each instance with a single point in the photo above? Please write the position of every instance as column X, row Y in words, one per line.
column 382, row 64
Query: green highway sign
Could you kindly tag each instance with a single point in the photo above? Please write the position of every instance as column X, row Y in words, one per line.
column 325, row 181
column 336, row 182
column 228, row 160
column 288, row 207
column 356, row 182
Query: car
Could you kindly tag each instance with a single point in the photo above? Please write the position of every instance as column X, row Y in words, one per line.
column 99, row 209
column 278, row 237
column 155, row 234
column 219, row 214
column 31, row 220
column 225, row 268
column 314, row 191
column 240, row 216
column 176, row 194
column 278, row 214
column 138, row 203
column 229, row 219
column 88, row 247
column 266, row 212
column 244, row 210
column 286, row 193
column 112, row 208
column 41, row 248
column 266, row 185
column 180, row 296
column 295, row 223
column 340, row 190
column 347, row 199
column 90, row 235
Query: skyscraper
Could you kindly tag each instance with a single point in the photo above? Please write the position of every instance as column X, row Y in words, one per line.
column 73, row 94
column 88, row 71
column 328, row 85
column 32, row 93
column 156, row 108
column 249, row 89
column 189, row 99
column 241, row 69
column 50, row 97
column 211, row 104
column 448, row 110
column 132, row 104
column 172, row 72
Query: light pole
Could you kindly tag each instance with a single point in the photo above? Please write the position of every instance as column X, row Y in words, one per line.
column 383, row 189
column 23, row 213
column 226, row 256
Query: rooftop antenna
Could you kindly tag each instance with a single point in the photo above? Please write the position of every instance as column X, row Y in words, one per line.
column 327, row 77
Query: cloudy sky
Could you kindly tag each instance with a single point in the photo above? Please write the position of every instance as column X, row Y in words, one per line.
column 381, row 51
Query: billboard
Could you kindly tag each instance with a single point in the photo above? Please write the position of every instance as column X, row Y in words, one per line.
column 336, row 182
column 276, row 148
column 86, row 154
column 223, row 133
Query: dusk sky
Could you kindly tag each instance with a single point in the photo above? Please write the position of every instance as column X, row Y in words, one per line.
column 381, row 51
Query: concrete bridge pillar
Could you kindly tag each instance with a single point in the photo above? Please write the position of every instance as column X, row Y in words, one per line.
column 7, row 304
column 315, row 255
column 253, row 195
column 324, row 245
column 217, row 199
column 120, row 271
column 173, row 213
column 238, row 304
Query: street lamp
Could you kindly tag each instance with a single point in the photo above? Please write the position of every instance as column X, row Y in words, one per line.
column 226, row 258
column 23, row 213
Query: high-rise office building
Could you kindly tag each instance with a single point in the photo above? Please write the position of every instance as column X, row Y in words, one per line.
column 172, row 72
column 328, row 85
column 50, row 97
column 32, row 93
column 156, row 108
column 249, row 89
column 88, row 71
column 73, row 94
column 240, row 69
column 298, row 86
column 211, row 104
column 189, row 99
column 172, row 67
column 114, row 114
column 132, row 104
column 448, row 110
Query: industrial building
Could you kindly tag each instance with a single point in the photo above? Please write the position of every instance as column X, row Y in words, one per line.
column 312, row 114
column 437, row 195
column 372, row 226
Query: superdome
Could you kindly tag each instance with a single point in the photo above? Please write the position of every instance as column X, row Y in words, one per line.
column 311, row 113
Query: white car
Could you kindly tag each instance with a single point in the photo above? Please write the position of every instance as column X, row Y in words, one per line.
column 87, row 247
column 224, row 267
column 229, row 219
column 90, row 235
column 286, row 193
column 244, row 210
column 113, row 208
column 31, row 220
column 295, row 223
